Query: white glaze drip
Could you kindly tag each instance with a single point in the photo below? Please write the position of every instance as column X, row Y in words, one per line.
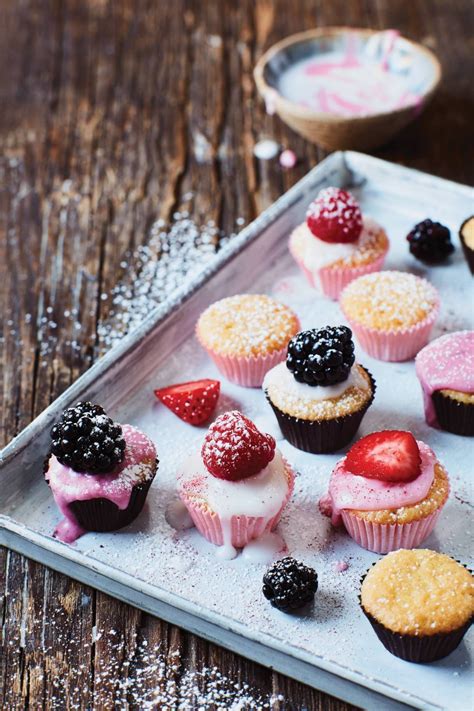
column 281, row 379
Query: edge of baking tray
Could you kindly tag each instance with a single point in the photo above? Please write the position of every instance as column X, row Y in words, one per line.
column 328, row 676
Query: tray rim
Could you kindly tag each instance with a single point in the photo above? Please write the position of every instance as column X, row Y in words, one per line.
column 76, row 564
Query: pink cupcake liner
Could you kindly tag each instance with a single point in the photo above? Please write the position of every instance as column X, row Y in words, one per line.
column 394, row 345
column 331, row 281
column 243, row 528
column 248, row 371
column 384, row 538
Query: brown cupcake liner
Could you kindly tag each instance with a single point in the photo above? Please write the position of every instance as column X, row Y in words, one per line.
column 321, row 436
column 453, row 416
column 421, row 649
column 468, row 253
column 102, row 515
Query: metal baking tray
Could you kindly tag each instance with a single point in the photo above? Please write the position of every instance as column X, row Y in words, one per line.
column 177, row 576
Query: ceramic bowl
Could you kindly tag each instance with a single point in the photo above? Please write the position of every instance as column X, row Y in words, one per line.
column 419, row 68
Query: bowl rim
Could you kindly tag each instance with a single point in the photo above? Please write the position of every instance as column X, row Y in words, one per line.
column 302, row 112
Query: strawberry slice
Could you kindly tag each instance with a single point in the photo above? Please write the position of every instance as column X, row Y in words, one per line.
column 390, row 455
column 194, row 402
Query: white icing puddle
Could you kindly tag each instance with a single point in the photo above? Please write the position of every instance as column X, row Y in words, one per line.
column 177, row 516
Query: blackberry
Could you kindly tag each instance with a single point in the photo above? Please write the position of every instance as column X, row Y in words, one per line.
column 289, row 584
column 87, row 440
column 321, row 357
column 430, row 242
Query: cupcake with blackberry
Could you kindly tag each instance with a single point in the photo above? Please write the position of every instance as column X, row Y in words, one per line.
column 237, row 486
column 445, row 369
column 420, row 603
column 99, row 471
column 391, row 313
column 388, row 491
column 337, row 243
column 320, row 395
column 246, row 335
column 466, row 235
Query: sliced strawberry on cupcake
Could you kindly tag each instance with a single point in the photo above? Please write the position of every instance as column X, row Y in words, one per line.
column 237, row 485
column 337, row 243
column 388, row 491
column 194, row 401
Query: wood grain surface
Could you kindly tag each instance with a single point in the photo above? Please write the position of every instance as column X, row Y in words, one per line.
column 114, row 114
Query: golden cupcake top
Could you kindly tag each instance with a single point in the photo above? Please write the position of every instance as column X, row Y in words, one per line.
column 247, row 325
column 419, row 592
column 389, row 301
column 467, row 232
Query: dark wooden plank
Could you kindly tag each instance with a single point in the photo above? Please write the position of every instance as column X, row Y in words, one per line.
column 116, row 114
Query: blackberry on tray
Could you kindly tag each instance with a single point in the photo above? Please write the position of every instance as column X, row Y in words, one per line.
column 430, row 242
column 87, row 440
column 289, row 584
column 321, row 357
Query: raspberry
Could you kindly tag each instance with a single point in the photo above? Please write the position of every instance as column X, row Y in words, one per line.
column 234, row 449
column 335, row 216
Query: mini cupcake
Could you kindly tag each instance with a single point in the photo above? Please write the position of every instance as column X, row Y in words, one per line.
column 337, row 243
column 391, row 313
column 236, row 488
column 99, row 471
column 319, row 396
column 420, row 603
column 388, row 491
column 445, row 369
column 466, row 235
column 246, row 335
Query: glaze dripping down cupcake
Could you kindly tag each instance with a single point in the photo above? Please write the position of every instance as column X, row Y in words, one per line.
column 99, row 471
column 237, row 486
column 388, row 491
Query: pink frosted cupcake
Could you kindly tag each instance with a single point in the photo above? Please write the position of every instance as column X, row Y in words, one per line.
column 337, row 243
column 246, row 335
column 391, row 313
column 236, row 488
column 99, row 471
column 445, row 369
column 388, row 491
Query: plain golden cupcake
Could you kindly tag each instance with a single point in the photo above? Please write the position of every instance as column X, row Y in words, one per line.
column 337, row 243
column 466, row 235
column 420, row 603
column 388, row 491
column 391, row 313
column 246, row 335
column 320, row 395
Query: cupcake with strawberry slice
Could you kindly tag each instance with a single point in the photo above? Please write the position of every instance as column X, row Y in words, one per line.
column 388, row 491
column 237, row 486
column 336, row 243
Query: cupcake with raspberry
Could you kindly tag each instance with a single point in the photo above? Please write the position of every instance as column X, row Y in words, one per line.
column 391, row 313
column 237, row 486
column 99, row 471
column 445, row 369
column 337, row 243
column 388, row 491
column 320, row 395
column 246, row 335
column 420, row 603
column 466, row 235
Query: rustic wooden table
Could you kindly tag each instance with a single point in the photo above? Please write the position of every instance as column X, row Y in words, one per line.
column 114, row 114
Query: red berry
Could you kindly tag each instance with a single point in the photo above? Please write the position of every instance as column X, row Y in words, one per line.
column 235, row 449
column 193, row 402
column 391, row 455
column 335, row 216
